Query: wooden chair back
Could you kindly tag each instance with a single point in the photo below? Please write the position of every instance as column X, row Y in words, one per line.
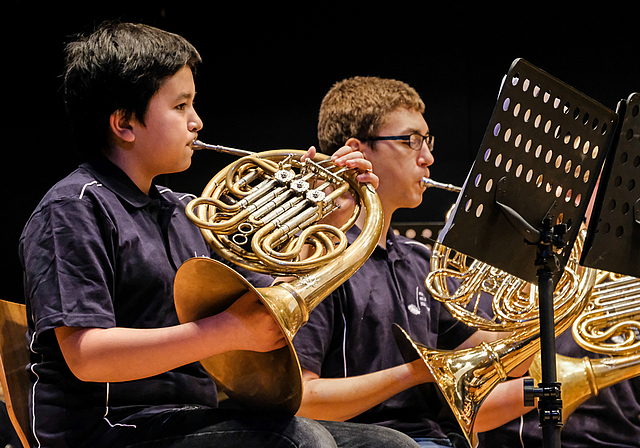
column 14, row 357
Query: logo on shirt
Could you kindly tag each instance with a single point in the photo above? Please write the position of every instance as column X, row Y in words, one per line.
column 421, row 301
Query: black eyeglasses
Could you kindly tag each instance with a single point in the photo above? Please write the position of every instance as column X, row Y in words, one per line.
column 413, row 141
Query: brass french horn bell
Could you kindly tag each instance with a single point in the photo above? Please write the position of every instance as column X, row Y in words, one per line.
column 261, row 212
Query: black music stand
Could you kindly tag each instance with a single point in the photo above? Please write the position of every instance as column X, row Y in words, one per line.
column 527, row 194
column 613, row 241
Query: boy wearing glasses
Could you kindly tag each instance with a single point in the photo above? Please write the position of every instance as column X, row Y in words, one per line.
column 352, row 367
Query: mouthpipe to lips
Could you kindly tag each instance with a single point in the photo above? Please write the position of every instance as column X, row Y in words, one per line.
column 197, row 145
column 432, row 183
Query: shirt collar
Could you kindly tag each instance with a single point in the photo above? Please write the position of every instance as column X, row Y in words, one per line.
column 392, row 240
column 116, row 180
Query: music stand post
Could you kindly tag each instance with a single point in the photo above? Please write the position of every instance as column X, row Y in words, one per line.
column 549, row 240
column 527, row 194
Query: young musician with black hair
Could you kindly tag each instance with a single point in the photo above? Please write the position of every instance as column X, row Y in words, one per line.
column 111, row 366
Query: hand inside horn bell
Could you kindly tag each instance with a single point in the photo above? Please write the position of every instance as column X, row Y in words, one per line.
column 252, row 326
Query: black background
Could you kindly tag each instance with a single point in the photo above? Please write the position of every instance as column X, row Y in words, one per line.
column 266, row 69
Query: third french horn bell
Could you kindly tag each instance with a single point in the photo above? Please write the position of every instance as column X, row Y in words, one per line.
column 609, row 325
column 261, row 212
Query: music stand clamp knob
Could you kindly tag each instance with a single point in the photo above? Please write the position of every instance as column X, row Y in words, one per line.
column 550, row 405
column 551, row 242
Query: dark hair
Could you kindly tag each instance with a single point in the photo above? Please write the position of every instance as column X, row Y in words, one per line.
column 357, row 107
column 118, row 67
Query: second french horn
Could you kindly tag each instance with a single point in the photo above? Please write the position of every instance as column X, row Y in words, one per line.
column 261, row 212
column 466, row 377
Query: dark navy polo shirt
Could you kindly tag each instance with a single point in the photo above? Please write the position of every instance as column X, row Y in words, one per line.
column 98, row 252
column 350, row 332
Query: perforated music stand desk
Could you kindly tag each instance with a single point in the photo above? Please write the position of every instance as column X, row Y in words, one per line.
column 540, row 158
column 613, row 240
column 541, row 155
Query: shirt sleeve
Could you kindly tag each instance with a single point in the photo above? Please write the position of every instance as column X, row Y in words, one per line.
column 67, row 250
column 314, row 339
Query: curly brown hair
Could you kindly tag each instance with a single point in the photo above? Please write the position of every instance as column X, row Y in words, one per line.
column 357, row 107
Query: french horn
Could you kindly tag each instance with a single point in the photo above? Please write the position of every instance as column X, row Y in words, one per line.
column 610, row 325
column 466, row 377
column 262, row 213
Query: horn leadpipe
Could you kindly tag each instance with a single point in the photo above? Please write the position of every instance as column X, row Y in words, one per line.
column 197, row 145
column 432, row 183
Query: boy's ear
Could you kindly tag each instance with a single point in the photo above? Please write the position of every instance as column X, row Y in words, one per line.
column 121, row 127
column 354, row 143
column 358, row 145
